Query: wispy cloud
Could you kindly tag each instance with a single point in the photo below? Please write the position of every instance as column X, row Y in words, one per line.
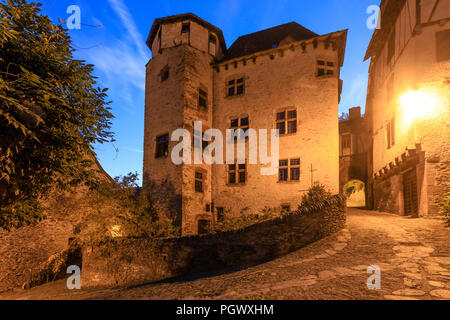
column 135, row 150
column 128, row 22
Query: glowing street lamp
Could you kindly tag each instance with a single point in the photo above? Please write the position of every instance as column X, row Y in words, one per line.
column 419, row 105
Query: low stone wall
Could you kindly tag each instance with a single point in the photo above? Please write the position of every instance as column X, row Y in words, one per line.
column 24, row 251
column 125, row 262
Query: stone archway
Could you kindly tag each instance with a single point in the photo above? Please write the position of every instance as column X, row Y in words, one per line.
column 355, row 190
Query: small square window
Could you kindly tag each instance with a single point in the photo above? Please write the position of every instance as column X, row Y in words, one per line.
column 162, row 146
column 244, row 122
column 236, row 87
column 235, row 123
column 325, row 68
column 287, row 121
column 186, row 28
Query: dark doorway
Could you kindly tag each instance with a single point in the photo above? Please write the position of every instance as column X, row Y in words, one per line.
column 204, row 226
column 410, row 193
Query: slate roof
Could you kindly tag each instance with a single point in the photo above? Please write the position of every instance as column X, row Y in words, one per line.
column 267, row 39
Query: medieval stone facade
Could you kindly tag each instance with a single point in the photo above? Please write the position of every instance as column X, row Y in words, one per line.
column 408, row 106
column 284, row 78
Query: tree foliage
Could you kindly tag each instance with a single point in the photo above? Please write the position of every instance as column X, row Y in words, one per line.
column 51, row 110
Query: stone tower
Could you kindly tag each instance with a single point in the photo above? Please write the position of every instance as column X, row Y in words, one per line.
column 179, row 91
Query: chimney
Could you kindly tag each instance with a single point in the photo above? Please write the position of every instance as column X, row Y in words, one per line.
column 354, row 113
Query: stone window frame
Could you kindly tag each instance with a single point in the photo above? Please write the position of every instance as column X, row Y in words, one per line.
column 290, row 165
column 185, row 27
column 199, row 178
column 391, row 133
column 239, row 118
column 326, row 64
column 349, row 136
column 235, row 78
column 286, row 120
column 236, row 172
column 159, row 142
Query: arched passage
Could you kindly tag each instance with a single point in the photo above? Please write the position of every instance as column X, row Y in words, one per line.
column 355, row 190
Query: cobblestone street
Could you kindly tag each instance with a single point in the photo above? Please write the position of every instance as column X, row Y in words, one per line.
column 413, row 254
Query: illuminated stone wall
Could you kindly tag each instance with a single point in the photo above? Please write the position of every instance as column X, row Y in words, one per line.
column 126, row 262
column 413, row 68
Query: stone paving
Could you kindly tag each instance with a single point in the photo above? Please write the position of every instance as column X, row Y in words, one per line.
column 413, row 255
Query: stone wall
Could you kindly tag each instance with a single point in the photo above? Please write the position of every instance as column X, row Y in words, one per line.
column 23, row 251
column 125, row 262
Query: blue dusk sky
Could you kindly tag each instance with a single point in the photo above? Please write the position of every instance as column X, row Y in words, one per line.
column 113, row 34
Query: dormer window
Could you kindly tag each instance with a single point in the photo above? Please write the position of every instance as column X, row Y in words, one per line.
column 186, row 27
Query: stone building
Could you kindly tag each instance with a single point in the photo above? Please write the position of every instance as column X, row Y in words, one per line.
column 286, row 77
column 408, row 107
column 353, row 157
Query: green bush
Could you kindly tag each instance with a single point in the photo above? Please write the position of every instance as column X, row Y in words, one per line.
column 444, row 204
column 316, row 194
